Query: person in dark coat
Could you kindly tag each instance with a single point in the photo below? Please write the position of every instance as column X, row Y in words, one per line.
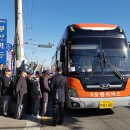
column 7, row 87
column 2, row 72
column 45, row 90
column 29, row 89
column 21, row 91
column 59, row 86
column 36, row 95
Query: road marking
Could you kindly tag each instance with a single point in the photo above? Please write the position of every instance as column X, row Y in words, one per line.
column 45, row 118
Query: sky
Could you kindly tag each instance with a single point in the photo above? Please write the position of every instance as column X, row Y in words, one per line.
column 45, row 21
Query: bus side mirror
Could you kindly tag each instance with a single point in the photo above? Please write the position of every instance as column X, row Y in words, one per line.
column 62, row 53
column 57, row 62
column 129, row 44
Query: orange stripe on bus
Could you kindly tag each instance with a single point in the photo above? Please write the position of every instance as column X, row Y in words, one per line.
column 75, row 83
column 95, row 25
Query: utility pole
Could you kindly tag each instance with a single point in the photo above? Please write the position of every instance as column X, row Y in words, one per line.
column 18, row 43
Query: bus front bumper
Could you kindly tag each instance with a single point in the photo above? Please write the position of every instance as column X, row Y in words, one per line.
column 77, row 103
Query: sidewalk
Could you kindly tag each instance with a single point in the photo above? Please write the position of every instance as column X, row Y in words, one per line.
column 29, row 123
column 9, row 123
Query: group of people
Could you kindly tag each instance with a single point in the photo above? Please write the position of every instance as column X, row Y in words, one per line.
column 32, row 92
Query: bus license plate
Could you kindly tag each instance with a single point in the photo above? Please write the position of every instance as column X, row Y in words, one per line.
column 106, row 104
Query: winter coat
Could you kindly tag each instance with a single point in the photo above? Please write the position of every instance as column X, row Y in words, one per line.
column 36, row 91
column 59, row 83
column 21, row 89
column 45, row 88
column 7, row 86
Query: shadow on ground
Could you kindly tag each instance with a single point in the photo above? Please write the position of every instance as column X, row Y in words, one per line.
column 71, row 120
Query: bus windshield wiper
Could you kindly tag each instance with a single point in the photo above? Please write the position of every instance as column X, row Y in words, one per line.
column 115, row 71
column 103, row 61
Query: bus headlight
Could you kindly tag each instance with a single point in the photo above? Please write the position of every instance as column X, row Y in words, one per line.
column 72, row 92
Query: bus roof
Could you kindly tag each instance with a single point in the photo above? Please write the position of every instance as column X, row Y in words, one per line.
column 95, row 26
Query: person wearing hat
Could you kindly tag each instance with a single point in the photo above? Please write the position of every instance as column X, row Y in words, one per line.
column 59, row 90
column 2, row 72
column 29, row 89
column 45, row 90
column 21, row 91
column 6, row 90
column 36, row 95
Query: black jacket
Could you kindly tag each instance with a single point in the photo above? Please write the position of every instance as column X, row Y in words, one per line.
column 7, row 86
column 44, row 88
column 59, row 82
column 2, row 72
column 36, row 91
column 29, row 86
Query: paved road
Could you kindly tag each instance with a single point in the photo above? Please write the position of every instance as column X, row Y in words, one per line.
column 94, row 119
column 91, row 119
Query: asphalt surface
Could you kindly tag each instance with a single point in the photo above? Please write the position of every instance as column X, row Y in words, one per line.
column 89, row 119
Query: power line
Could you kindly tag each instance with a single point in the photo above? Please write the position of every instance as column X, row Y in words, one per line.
column 29, row 13
column 32, row 13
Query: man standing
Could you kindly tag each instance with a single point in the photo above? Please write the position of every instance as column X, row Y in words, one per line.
column 59, row 86
column 2, row 71
column 21, row 91
column 36, row 95
column 6, row 90
column 29, row 89
column 45, row 90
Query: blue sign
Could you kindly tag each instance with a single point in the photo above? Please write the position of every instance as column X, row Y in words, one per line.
column 8, row 46
column 3, row 40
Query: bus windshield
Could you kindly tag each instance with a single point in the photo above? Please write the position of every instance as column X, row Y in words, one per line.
column 84, row 54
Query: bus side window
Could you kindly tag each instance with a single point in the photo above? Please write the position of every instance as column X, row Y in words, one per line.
column 62, row 53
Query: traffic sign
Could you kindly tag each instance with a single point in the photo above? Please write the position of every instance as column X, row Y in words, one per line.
column 3, row 40
column 8, row 46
